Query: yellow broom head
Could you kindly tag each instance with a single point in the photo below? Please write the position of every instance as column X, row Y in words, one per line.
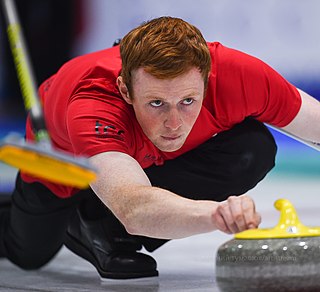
column 46, row 163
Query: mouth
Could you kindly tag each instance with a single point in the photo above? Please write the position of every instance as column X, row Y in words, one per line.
column 170, row 138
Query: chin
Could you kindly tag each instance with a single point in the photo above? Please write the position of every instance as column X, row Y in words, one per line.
column 169, row 148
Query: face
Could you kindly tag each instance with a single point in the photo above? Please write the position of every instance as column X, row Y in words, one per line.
column 166, row 109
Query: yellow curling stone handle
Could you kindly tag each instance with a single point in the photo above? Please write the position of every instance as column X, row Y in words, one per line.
column 288, row 226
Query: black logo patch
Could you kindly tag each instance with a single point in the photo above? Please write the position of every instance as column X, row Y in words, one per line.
column 108, row 131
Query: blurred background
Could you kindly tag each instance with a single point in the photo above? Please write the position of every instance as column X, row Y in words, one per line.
column 285, row 34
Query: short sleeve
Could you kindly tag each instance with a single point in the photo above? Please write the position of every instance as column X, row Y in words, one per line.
column 246, row 86
column 98, row 119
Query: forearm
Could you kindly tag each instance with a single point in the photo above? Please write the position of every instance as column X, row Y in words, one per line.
column 145, row 210
column 305, row 124
column 155, row 212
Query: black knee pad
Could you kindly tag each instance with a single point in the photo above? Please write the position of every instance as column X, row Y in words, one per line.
column 30, row 248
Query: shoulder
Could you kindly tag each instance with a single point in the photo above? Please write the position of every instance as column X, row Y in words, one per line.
column 227, row 58
column 105, row 63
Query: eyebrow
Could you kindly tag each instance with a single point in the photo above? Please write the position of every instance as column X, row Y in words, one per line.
column 192, row 94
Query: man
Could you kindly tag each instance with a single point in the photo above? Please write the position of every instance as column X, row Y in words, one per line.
column 173, row 125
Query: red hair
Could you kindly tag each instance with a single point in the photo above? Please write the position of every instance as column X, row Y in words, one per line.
column 165, row 47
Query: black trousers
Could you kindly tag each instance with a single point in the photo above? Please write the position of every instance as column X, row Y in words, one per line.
column 230, row 163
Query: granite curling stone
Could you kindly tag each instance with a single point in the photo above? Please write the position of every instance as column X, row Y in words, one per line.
column 283, row 258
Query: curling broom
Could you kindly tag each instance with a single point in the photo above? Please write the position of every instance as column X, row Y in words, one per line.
column 39, row 158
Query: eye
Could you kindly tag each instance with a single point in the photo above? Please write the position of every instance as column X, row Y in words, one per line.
column 188, row 101
column 156, row 103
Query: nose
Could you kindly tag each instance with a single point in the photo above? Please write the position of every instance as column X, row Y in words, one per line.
column 173, row 120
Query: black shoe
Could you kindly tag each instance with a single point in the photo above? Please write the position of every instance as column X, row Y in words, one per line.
column 106, row 245
column 151, row 244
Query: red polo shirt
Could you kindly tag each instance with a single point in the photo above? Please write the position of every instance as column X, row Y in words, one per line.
column 85, row 113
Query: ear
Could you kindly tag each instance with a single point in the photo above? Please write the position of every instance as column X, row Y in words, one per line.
column 123, row 90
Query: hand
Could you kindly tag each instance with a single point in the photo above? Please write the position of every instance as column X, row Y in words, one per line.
column 236, row 214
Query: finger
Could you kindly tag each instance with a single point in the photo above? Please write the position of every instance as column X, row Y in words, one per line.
column 249, row 212
column 257, row 219
column 220, row 222
column 237, row 212
column 226, row 214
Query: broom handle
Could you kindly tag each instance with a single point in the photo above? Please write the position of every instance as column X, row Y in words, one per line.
column 24, row 70
column 311, row 144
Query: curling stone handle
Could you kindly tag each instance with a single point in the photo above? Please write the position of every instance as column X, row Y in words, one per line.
column 288, row 226
column 288, row 214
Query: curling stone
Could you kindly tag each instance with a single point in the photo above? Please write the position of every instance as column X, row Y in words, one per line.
column 283, row 258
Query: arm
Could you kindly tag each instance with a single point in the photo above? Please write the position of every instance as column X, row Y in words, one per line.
column 306, row 123
column 145, row 210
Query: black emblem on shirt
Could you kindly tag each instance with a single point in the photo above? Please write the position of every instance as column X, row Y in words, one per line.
column 150, row 157
column 108, row 131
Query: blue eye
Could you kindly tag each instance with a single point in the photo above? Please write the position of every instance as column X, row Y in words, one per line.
column 156, row 103
column 188, row 101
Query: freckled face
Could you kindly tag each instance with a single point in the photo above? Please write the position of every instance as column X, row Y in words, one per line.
column 167, row 109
